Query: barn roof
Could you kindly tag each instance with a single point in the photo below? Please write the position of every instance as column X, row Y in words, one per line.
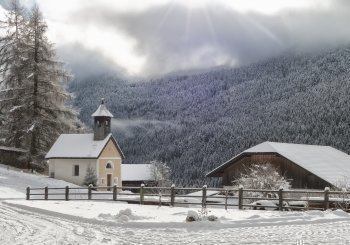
column 325, row 162
column 136, row 172
column 79, row 146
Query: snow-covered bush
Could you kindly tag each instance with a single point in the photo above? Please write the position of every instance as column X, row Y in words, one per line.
column 261, row 176
column 343, row 196
column 192, row 216
column 212, row 217
column 200, row 215
column 126, row 212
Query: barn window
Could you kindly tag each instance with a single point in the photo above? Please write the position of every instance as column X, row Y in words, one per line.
column 76, row 170
column 109, row 165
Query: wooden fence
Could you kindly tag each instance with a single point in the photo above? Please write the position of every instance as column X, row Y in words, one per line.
column 172, row 196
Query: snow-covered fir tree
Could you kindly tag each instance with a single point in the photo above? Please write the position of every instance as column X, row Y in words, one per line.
column 13, row 56
column 35, row 85
column 90, row 177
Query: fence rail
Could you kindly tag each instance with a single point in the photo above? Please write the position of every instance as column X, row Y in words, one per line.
column 171, row 196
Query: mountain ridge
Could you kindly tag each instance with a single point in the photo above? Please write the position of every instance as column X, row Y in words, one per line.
column 202, row 120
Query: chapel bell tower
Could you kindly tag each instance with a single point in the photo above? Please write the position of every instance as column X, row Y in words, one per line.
column 102, row 122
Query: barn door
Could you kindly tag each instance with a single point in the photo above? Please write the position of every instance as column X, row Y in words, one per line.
column 109, row 181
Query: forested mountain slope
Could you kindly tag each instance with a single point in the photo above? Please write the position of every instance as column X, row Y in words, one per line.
column 196, row 122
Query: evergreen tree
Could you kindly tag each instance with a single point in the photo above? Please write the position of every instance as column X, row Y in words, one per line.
column 48, row 116
column 33, row 85
column 90, row 177
column 13, row 58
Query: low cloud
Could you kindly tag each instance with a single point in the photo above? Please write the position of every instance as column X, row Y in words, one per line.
column 83, row 62
column 170, row 37
column 127, row 126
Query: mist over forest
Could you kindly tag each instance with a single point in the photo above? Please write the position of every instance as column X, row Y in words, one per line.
column 195, row 122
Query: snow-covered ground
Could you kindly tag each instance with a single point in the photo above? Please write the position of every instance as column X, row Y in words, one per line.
column 108, row 222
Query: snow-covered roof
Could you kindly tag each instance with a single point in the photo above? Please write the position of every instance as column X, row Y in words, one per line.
column 102, row 111
column 79, row 146
column 325, row 162
column 136, row 172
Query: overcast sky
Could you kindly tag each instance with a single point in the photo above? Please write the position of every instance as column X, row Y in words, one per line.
column 153, row 37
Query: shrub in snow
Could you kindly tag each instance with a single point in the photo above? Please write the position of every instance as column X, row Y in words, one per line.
column 261, row 176
column 202, row 213
column 123, row 218
column 212, row 218
column 192, row 216
column 160, row 172
column 125, row 215
column 343, row 196
column 105, row 216
column 126, row 212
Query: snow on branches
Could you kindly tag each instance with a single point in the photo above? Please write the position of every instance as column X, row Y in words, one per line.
column 261, row 176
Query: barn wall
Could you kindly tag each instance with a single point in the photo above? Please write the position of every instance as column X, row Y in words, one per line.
column 300, row 178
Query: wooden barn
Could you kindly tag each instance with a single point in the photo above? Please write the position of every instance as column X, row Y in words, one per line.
column 306, row 166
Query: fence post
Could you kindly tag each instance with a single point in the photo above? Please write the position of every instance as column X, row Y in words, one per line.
column 204, row 196
column 326, row 198
column 89, row 191
column 114, row 192
column 67, row 193
column 226, row 196
column 160, row 199
column 240, row 197
column 28, row 193
column 172, row 195
column 142, row 194
column 46, row 193
column 280, row 198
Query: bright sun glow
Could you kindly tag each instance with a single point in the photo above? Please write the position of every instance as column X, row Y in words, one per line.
column 261, row 6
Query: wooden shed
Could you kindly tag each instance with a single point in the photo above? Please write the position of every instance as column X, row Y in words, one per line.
column 16, row 157
column 306, row 166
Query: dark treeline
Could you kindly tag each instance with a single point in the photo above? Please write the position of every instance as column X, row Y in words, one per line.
column 195, row 122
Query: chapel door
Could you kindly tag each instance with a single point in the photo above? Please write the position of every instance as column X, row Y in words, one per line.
column 109, row 181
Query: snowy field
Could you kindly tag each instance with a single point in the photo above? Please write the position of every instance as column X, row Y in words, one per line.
column 107, row 222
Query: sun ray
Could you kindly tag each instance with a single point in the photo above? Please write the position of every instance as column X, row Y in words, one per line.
column 188, row 24
column 265, row 31
column 166, row 15
column 210, row 25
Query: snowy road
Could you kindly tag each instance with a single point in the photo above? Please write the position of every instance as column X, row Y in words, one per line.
column 27, row 225
column 96, row 222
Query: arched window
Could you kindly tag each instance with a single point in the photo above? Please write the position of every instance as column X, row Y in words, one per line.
column 109, row 165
